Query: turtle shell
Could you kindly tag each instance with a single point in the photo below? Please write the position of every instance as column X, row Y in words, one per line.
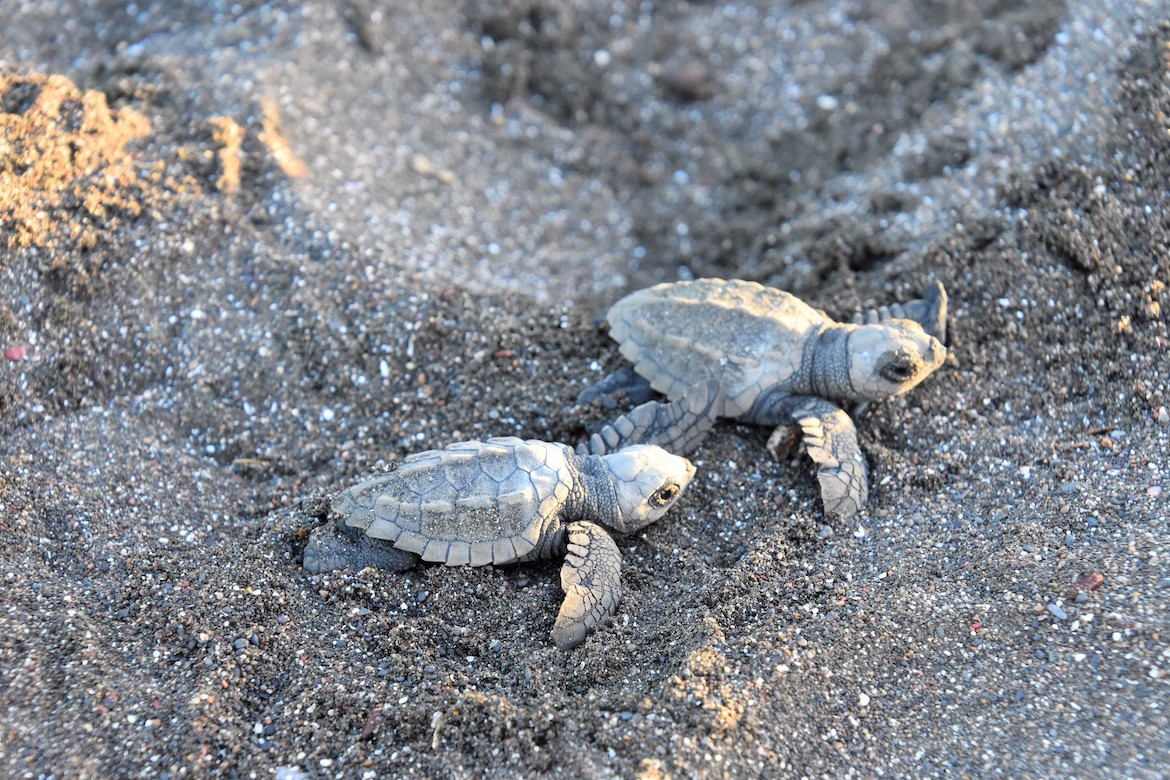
column 475, row 502
column 749, row 337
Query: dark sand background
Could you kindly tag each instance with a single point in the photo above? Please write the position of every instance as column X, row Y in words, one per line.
column 314, row 237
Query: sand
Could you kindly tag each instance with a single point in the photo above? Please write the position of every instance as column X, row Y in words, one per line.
column 251, row 252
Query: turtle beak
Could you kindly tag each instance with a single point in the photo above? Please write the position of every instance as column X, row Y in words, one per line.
column 937, row 352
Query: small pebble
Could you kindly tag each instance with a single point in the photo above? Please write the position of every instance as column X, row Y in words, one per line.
column 1057, row 611
column 422, row 596
column 1090, row 580
column 17, row 353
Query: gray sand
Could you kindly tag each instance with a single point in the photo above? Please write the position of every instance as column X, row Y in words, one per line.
column 430, row 208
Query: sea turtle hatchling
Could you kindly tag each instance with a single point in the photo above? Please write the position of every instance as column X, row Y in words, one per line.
column 779, row 362
column 506, row 500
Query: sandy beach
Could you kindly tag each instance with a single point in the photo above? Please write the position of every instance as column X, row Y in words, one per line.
column 252, row 252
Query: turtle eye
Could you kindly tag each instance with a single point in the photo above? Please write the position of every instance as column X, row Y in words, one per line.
column 898, row 371
column 664, row 495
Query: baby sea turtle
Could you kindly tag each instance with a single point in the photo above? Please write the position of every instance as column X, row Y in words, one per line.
column 779, row 362
column 506, row 500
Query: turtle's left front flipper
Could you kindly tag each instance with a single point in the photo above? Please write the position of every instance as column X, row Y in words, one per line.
column 678, row 426
column 591, row 579
column 929, row 311
column 831, row 441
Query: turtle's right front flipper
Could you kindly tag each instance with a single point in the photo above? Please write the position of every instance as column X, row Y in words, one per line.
column 929, row 311
column 678, row 427
column 591, row 579
column 831, row 441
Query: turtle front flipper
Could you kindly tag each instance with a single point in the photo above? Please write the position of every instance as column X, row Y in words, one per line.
column 831, row 441
column 929, row 311
column 678, row 426
column 591, row 579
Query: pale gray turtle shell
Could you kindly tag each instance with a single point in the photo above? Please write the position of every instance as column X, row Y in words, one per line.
column 475, row 502
column 749, row 337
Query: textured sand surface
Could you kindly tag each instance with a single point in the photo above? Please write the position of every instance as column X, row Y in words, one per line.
column 251, row 251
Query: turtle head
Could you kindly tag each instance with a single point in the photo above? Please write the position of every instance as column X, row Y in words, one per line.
column 647, row 480
column 889, row 358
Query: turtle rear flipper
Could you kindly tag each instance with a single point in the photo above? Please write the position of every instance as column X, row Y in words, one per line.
column 929, row 311
column 330, row 549
column 678, row 426
column 625, row 381
column 591, row 579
